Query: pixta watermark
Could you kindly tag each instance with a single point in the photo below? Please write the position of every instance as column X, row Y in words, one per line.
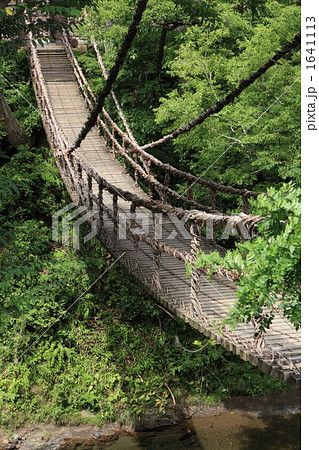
column 169, row 227
column 164, row 227
column 70, row 230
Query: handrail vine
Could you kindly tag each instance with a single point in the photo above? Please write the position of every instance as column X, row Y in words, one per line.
column 80, row 176
column 139, row 159
column 73, row 167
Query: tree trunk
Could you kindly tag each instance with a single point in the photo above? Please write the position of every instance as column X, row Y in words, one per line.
column 15, row 132
column 160, row 54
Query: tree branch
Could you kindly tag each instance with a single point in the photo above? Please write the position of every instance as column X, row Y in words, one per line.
column 160, row 54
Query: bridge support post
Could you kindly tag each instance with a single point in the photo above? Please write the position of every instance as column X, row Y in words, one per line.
column 113, row 148
column 157, row 256
column 73, row 176
column 167, row 179
column 245, row 204
column 147, row 165
column 115, row 218
column 259, row 341
column 80, row 181
column 213, row 198
column 189, row 190
column 89, row 178
column 100, row 198
column 135, row 171
column 135, row 243
column 125, row 164
column 196, row 309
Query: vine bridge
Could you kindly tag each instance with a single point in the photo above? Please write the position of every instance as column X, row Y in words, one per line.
column 156, row 256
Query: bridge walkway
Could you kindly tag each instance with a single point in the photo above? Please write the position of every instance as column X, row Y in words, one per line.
column 281, row 355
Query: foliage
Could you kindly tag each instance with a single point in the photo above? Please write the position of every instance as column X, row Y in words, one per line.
column 16, row 85
column 255, row 141
column 102, row 360
column 142, row 81
column 269, row 264
column 35, row 16
column 30, row 186
column 113, row 354
column 186, row 56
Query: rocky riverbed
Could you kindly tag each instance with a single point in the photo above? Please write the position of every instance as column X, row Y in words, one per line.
column 229, row 425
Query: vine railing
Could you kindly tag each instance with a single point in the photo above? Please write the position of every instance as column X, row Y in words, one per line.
column 141, row 162
column 79, row 175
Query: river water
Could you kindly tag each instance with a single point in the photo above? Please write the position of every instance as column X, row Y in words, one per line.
column 228, row 431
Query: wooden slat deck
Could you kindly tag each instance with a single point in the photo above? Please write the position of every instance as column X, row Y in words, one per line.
column 216, row 296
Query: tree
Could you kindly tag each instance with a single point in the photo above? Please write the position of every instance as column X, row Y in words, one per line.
column 143, row 79
column 16, row 22
column 189, row 54
column 268, row 266
column 12, row 127
column 39, row 17
column 255, row 141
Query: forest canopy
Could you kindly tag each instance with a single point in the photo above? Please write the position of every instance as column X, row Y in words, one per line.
column 189, row 54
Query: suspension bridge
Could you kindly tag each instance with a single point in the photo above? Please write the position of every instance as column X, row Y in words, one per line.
column 104, row 171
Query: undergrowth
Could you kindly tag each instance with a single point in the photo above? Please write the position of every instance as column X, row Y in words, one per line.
column 113, row 355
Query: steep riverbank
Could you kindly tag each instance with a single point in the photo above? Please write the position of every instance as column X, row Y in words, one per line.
column 241, row 422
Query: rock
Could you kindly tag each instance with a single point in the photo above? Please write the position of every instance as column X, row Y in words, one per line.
column 96, row 434
column 156, row 422
column 53, row 444
column 14, row 440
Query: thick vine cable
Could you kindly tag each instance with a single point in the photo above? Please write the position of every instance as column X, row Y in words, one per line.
column 230, row 97
column 126, row 45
